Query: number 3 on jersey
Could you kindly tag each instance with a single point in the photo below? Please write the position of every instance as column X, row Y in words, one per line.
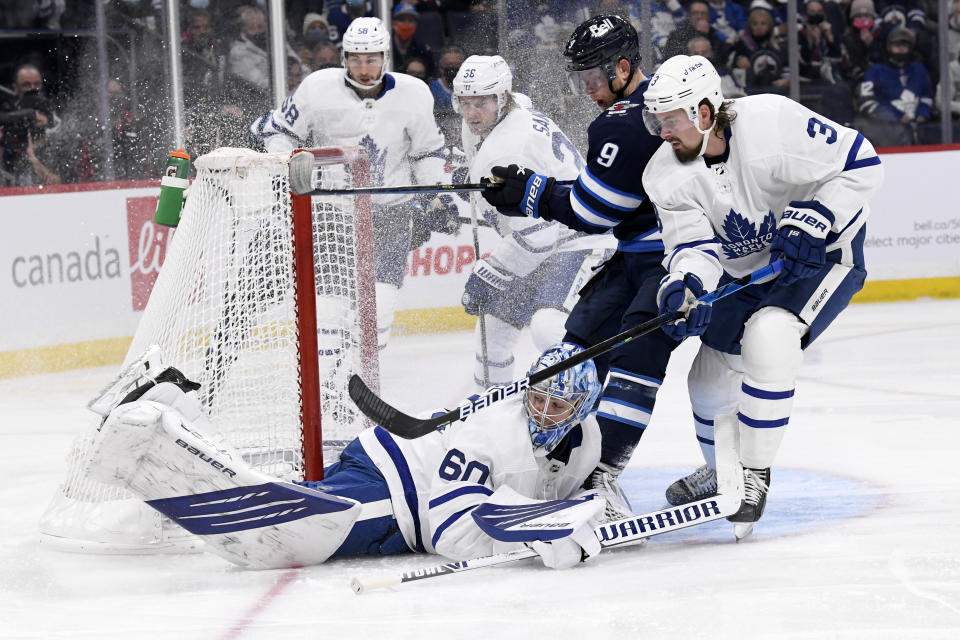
column 455, row 467
column 815, row 126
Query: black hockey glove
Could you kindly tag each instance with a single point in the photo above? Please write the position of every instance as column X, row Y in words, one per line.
column 516, row 191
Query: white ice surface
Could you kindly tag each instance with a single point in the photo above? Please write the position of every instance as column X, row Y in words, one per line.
column 861, row 538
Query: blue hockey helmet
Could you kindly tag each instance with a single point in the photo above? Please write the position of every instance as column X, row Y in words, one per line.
column 555, row 405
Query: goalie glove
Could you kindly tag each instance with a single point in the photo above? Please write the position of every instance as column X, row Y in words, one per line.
column 487, row 281
column 579, row 546
column 801, row 239
column 518, row 192
column 679, row 292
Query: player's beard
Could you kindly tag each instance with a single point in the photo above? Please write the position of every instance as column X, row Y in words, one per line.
column 684, row 153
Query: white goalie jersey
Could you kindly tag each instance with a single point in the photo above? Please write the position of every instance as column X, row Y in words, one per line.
column 724, row 215
column 398, row 129
column 532, row 140
column 436, row 480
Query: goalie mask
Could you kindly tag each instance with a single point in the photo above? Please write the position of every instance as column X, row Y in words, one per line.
column 682, row 83
column 366, row 35
column 483, row 76
column 555, row 405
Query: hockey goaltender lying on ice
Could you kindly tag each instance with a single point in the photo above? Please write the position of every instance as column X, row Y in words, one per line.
column 156, row 441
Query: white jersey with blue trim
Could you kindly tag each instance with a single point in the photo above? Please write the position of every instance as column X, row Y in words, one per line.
column 408, row 467
column 397, row 129
column 722, row 214
column 489, row 451
column 435, row 479
column 532, row 140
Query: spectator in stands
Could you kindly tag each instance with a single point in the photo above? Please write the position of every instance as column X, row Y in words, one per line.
column 700, row 46
column 214, row 118
column 315, row 30
column 914, row 18
column 340, row 16
column 451, row 57
column 821, row 58
column 295, row 74
column 862, row 40
column 729, row 19
column 405, row 43
column 248, row 66
column 31, row 14
column 27, row 118
column 758, row 55
column 697, row 23
column 417, row 68
column 248, row 57
column 896, row 95
column 819, row 49
column 325, row 55
column 131, row 147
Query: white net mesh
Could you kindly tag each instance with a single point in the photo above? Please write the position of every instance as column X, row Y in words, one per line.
column 225, row 310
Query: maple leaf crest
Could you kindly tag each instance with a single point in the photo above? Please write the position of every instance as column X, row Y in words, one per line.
column 378, row 160
column 743, row 238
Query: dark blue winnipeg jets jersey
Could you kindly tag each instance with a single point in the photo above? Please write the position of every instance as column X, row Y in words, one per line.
column 609, row 194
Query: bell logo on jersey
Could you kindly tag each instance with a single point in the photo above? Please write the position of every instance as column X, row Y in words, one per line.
column 597, row 30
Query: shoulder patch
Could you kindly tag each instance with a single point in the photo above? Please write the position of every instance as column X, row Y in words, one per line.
column 620, row 108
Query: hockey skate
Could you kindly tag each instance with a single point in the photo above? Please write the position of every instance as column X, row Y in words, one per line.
column 756, row 484
column 604, row 481
column 136, row 379
column 700, row 484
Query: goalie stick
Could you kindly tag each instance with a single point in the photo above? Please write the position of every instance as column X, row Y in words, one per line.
column 406, row 426
column 545, row 520
column 619, row 533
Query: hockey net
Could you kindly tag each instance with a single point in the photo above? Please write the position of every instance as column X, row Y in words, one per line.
column 267, row 300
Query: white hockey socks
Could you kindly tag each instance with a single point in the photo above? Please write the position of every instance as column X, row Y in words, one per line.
column 771, row 359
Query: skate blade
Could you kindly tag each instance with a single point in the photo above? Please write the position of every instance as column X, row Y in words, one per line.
column 742, row 529
column 148, row 365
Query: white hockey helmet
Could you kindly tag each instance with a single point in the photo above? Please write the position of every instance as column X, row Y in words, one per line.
column 682, row 82
column 483, row 76
column 366, row 35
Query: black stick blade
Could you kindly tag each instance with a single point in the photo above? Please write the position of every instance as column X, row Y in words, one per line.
column 390, row 418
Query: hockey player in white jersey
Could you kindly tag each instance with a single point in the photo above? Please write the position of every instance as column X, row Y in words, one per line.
column 741, row 183
column 391, row 116
column 386, row 495
column 530, row 276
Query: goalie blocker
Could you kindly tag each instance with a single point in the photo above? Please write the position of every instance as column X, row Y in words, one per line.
column 541, row 522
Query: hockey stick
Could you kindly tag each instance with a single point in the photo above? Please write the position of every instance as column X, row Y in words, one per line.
column 483, row 316
column 406, row 426
column 301, row 182
column 619, row 533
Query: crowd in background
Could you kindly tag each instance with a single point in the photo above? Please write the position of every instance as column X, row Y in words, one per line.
column 872, row 64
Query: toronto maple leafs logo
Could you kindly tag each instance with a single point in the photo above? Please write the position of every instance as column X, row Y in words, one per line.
column 378, row 160
column 743, row 238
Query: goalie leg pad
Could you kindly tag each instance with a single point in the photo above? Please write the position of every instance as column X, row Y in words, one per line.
column 244, row 516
